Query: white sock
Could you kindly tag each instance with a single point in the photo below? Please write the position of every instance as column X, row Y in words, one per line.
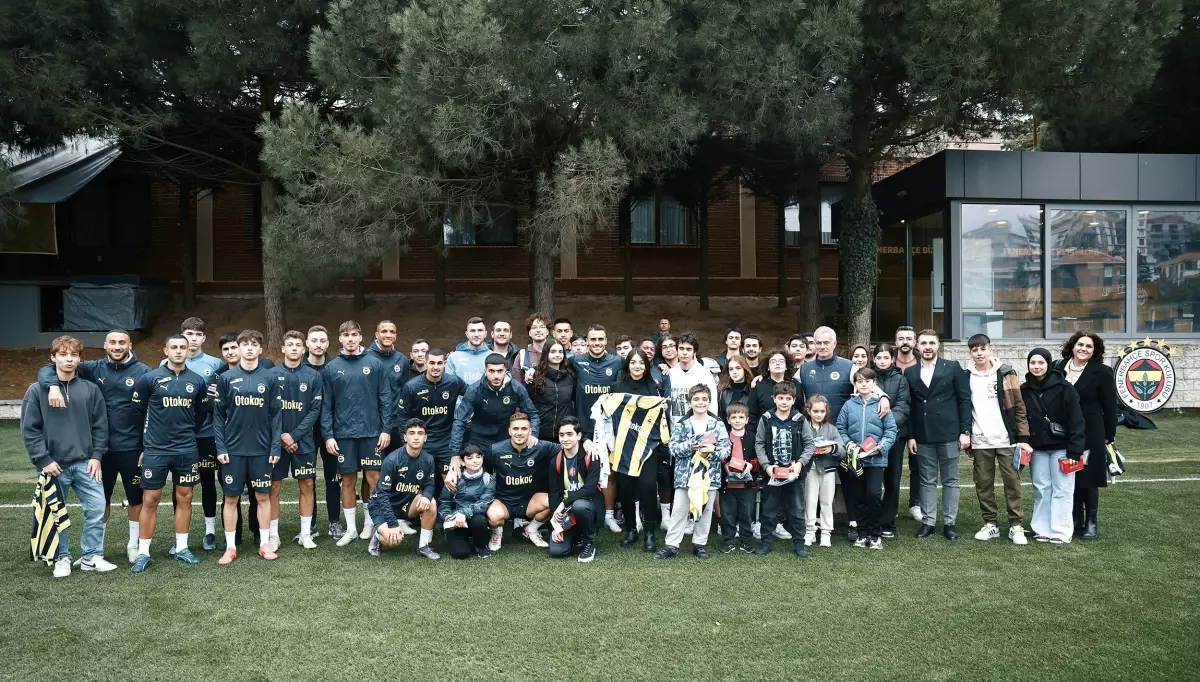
column 210, row 525
column 535, row 524
column 665, row 509
column 135, row 530
column 305, row 526
column 181, row 541
column 264, row 539
column 143, row 546
column 426, row 537
column 274, row 528
column 229, row 539
column 609, row 514
column 497, row 531
column 351, row 527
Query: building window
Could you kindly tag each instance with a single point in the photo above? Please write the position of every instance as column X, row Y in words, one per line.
column 492, row 225
column 830, row 195
column 1088, row 270
column 1168, row 277
column 660, row 220
column 1002, row 270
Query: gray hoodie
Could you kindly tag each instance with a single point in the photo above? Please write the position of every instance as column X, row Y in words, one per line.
column 75, row 433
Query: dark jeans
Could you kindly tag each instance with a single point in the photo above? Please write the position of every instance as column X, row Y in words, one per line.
column 849, row 493
column 641, row 488
column 869, row 493
column 737, row 510
column 891, row 485
column 914, row 481
column 783, row 504
column 583, row 532
column 333, row 486
column 462, row 542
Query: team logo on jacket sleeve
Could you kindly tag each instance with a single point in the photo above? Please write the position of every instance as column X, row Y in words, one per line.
column 129, row 381
column 366, row 370
column 1145, row 376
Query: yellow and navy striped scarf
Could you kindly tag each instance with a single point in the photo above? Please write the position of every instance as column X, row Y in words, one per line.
column 49, row 520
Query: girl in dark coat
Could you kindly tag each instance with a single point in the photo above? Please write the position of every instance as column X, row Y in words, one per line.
column 635, row 379
column 1083, row 365
column 552, row 389
column 891, row 381
column 733, row 386
column 1049, row 399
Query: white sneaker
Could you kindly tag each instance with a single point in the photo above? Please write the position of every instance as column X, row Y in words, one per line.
column 98, row 564
column 826, row 539
column 532, row 536
column 809, row 538
column 77, row 563
column 368, row 529
column 406, row 527
column 62, row 567
column 756, row 530
column 1017, row 535
column 782, row 534
column 611, row 524
column 273, row 543
column 306, row 542
column 915, row 512
column 497, row 536
column 373, row 546
column 665, row 525
column 346, row 539
column 131, row 552
column 989, row 532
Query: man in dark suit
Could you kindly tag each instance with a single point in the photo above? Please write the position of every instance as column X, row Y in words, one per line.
column 940, row 426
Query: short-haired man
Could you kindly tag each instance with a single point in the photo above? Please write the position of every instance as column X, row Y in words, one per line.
column 664, row 328
column 193, row 329
column 797, row 350
column 575, row 494
column 810, row 342
column 384, row 349
column 520, row 467
column 173, row 401
column 939, row 426
column 687, row 372
column 416, row 360
column 624, row 345
column 68, row 444
column 538, row 328
column 249, row 431
column 432, row 397
column 563, row 332
column 466, row 362
column 752, row 350
column 231, row 353
column 502, row 341
column 482, row 416
column 906, row 343
column 998, row 424
column 595, row 373
column 301, row 390
column 316, row 344
column 733, row 346
column 115, row 374
column 356, row 421
column 649, row 347
column 405, row 493
column 229, row 350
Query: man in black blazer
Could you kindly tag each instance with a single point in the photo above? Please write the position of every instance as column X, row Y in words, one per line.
column 940, row 426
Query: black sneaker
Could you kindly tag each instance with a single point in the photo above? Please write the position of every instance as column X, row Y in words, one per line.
column 801, row 551
column 483, row 552
column 209, row 543
column 587, row 553
column 951, row 532
column 763, row 549
column 701, row 552
column 888, row 533
column 852, row 534
column 667, row 552
column 728, row 546
column 747, row 546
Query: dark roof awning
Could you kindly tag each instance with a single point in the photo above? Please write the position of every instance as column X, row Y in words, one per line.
column 56, row 176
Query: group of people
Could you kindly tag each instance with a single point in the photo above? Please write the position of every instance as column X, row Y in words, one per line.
column 564, row 437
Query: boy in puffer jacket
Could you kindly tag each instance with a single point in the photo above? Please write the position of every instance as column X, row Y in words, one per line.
column 464, row 511
column 859, row 423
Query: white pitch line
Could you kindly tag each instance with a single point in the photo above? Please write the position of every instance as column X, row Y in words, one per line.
column 1024, row 484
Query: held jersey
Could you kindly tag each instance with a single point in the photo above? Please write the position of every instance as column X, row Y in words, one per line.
column 401, row 479
column 173, row 407
column 358, row 401
column 300, row 393
column 520, row 474
column 116, row 381
column 247, row 420
column 593, row 378
column 631, row 427
column 434, row 404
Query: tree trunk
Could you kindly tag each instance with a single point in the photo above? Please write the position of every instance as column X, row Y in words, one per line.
column 781, row 249
column 809, row 315
column 625, row 229
column 360, row 294
column 858, row 244
column 439, row 270
column 187, row 255
column 542, row 256
column 272, row 289
column 703, row 241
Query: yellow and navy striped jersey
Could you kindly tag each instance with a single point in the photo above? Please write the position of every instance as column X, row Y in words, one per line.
column 638, row 424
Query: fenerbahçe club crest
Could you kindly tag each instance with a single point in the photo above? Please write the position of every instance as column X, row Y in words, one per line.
column 1145, row 376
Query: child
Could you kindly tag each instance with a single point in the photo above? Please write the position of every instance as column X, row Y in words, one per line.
column 463, row 511
column 858, row 423
column 784, row 445
column 741, row 482
column 699, row 444
column 821, row 482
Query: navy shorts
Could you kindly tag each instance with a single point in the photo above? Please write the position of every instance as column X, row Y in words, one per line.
column 124, row 464
column 207, row 448
column 516, row 508
column 358, row 454
column 302, row 465
column 242, row 470
column 157, row 468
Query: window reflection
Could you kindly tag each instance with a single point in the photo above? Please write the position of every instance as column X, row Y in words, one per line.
column 1168, row 248
column 1002, row 270
column 1087, row 270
